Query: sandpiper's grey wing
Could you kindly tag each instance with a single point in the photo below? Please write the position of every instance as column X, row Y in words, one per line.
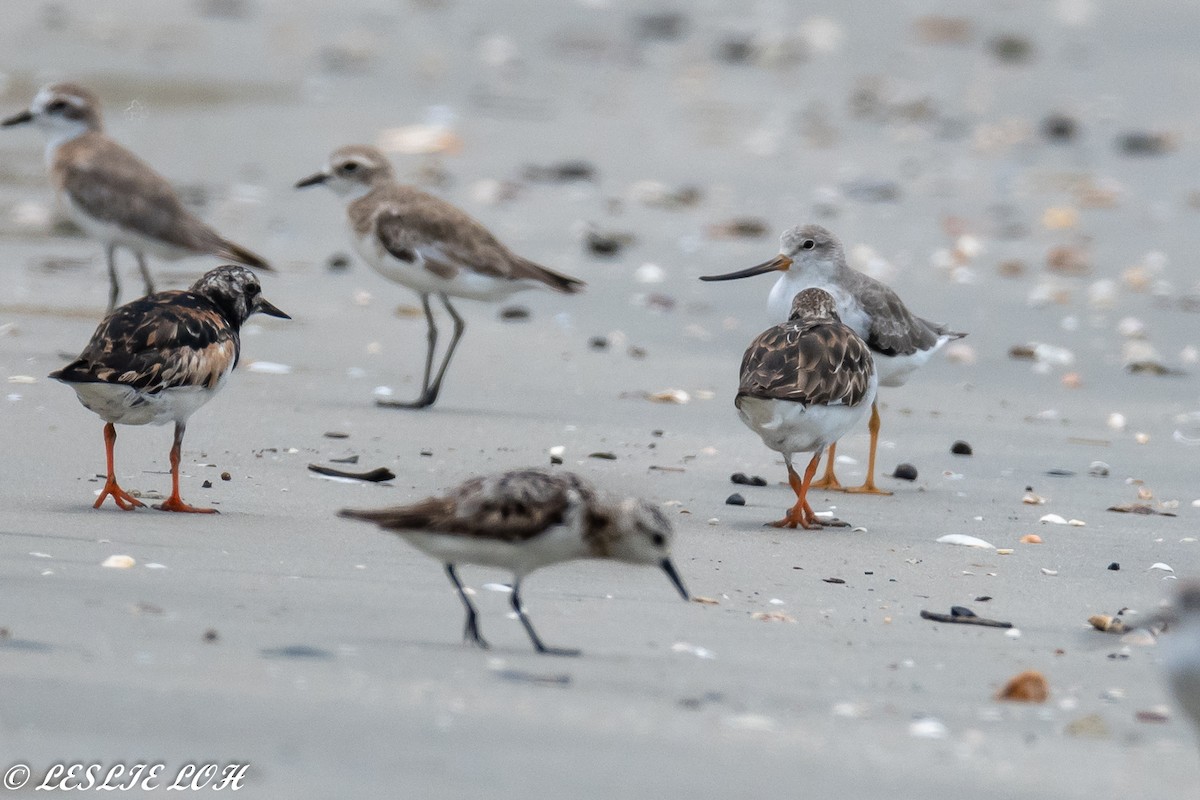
column 894, row 331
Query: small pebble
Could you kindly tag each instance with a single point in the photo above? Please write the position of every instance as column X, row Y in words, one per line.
column 1060, row 128
column 206, row 485
column 514, row 313
column 1114, row 566
column 742, row 479
column 961, row 448
column 735, row 500
column 563, row 172
column 225, row 476
column 1011, row 49
column 211, row 635
column 905, row 472
column 338, row 262
column 598, row 343
column 962, row 611
column 1145, row 143
column 336, row 435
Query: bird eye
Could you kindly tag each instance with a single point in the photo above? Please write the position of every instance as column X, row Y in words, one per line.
column 57, row 105
column 350, row 166
column 658, row 539
column 808, row 244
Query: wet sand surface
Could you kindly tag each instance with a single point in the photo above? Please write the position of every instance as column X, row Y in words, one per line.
column 336, row 668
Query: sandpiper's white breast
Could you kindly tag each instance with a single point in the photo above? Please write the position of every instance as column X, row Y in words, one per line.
column 790, row 427
column 556, row 544
column 125, row 405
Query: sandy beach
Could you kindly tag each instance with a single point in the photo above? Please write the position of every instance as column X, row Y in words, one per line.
column 1022, row 171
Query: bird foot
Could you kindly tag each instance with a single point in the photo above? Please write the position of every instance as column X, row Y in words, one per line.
column 829, row 484
column 124, row 500
column 867, row 488
column 174, row 503
column 567, row 652
column 797, row 521
column 424, row 401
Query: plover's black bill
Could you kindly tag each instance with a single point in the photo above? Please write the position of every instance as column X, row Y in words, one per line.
column 17, row 119
column 312, row 180
column 669, row 568
column 779, row 263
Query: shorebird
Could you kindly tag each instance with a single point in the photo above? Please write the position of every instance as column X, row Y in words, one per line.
column 803, row 385
column 1181, row 652
column 524, row 520
column 158, row 359
column 112, row 194
column 430, row 246
column 900, row 342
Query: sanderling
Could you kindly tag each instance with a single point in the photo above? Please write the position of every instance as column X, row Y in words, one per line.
column 524, row 520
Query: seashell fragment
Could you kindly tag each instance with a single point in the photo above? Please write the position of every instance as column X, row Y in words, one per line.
column 1030, row 686
column 965, row 541
column 1103, row 622
column 118, row 562
column 1054, row 519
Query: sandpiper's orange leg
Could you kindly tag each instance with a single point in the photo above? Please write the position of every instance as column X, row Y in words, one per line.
column 829, row 480
column 869, row 486
column 124, row 500
column 175, row 502
column 801, row 514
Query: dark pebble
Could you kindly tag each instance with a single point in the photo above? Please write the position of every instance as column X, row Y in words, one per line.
column 1114, row 566
column 1060, row 473
column 736, row 50
column 225, row 476
column 598, row 343
column 206, row 485
column 427, row 453
column 338, row 262
column 347, row 460
column 1011, row 49
column 514, row 313
column 604, row 455
column 606, row 244
column 211, row 635
column 983, row 598
column 636, row 352
column 656, row 433
column 555, row 460
column 1142, row 143
column 961, row 448
column 563, row 172
column 1060, row 128
column 735, row 500
column 336, row 435
column 742, row 479
column 961, row 611
column 662, row 26
column 905, row 472
column 833, row 580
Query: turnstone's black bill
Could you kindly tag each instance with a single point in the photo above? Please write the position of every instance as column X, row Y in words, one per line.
column 428, row 245
column 158, row 359
column 112, row 194
column 524, row 520
column 803, row 385
column 900, row 342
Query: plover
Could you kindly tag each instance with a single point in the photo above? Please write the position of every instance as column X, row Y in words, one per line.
column 524, row 520
column 112, row 194
column 803, row 385
column 430, row 246
column 1181, row 652
column 900, row 342
column 158, row 359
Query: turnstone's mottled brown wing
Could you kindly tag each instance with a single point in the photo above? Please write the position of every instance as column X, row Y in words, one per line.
column 895, row 331
column 450, row 241
column 512, row 507
column 813, row 363
column 166, row 340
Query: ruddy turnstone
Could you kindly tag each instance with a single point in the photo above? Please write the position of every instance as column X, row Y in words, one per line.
column 1181, row 652
column 158, row 359
column 428, row 245
column 112, row 194
column 803, row 385
column 900, row 342
column 524, row 520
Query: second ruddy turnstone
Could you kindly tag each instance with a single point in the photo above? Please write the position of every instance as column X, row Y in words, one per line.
column 430, row 246
column 803, row 385
column 112, row 194
column 158, row 359
column 524, row 520
column 900, row 342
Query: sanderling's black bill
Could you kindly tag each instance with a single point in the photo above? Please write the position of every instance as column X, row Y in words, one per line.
column 669, row 568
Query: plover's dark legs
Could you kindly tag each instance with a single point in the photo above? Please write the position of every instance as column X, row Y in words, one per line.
column 123, row 499
column 114, row 282
column 429, row 393
column 515, row 600
column 829, row 480
column 175, row 502
column 869, row 486
column 471, row 629
column 145, row 270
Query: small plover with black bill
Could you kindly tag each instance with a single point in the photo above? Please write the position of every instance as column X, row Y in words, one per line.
column 158, row 359
column 1180, row 645
column 112, row 194
column 900, row 342
column 803, row 385
column 430, row 246
column 524, row 520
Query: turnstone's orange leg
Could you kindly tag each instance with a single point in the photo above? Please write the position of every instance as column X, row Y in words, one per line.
column 829, row 480
column 869, row 486
column 123, row 499
column 801, row 515
column 175, row 502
